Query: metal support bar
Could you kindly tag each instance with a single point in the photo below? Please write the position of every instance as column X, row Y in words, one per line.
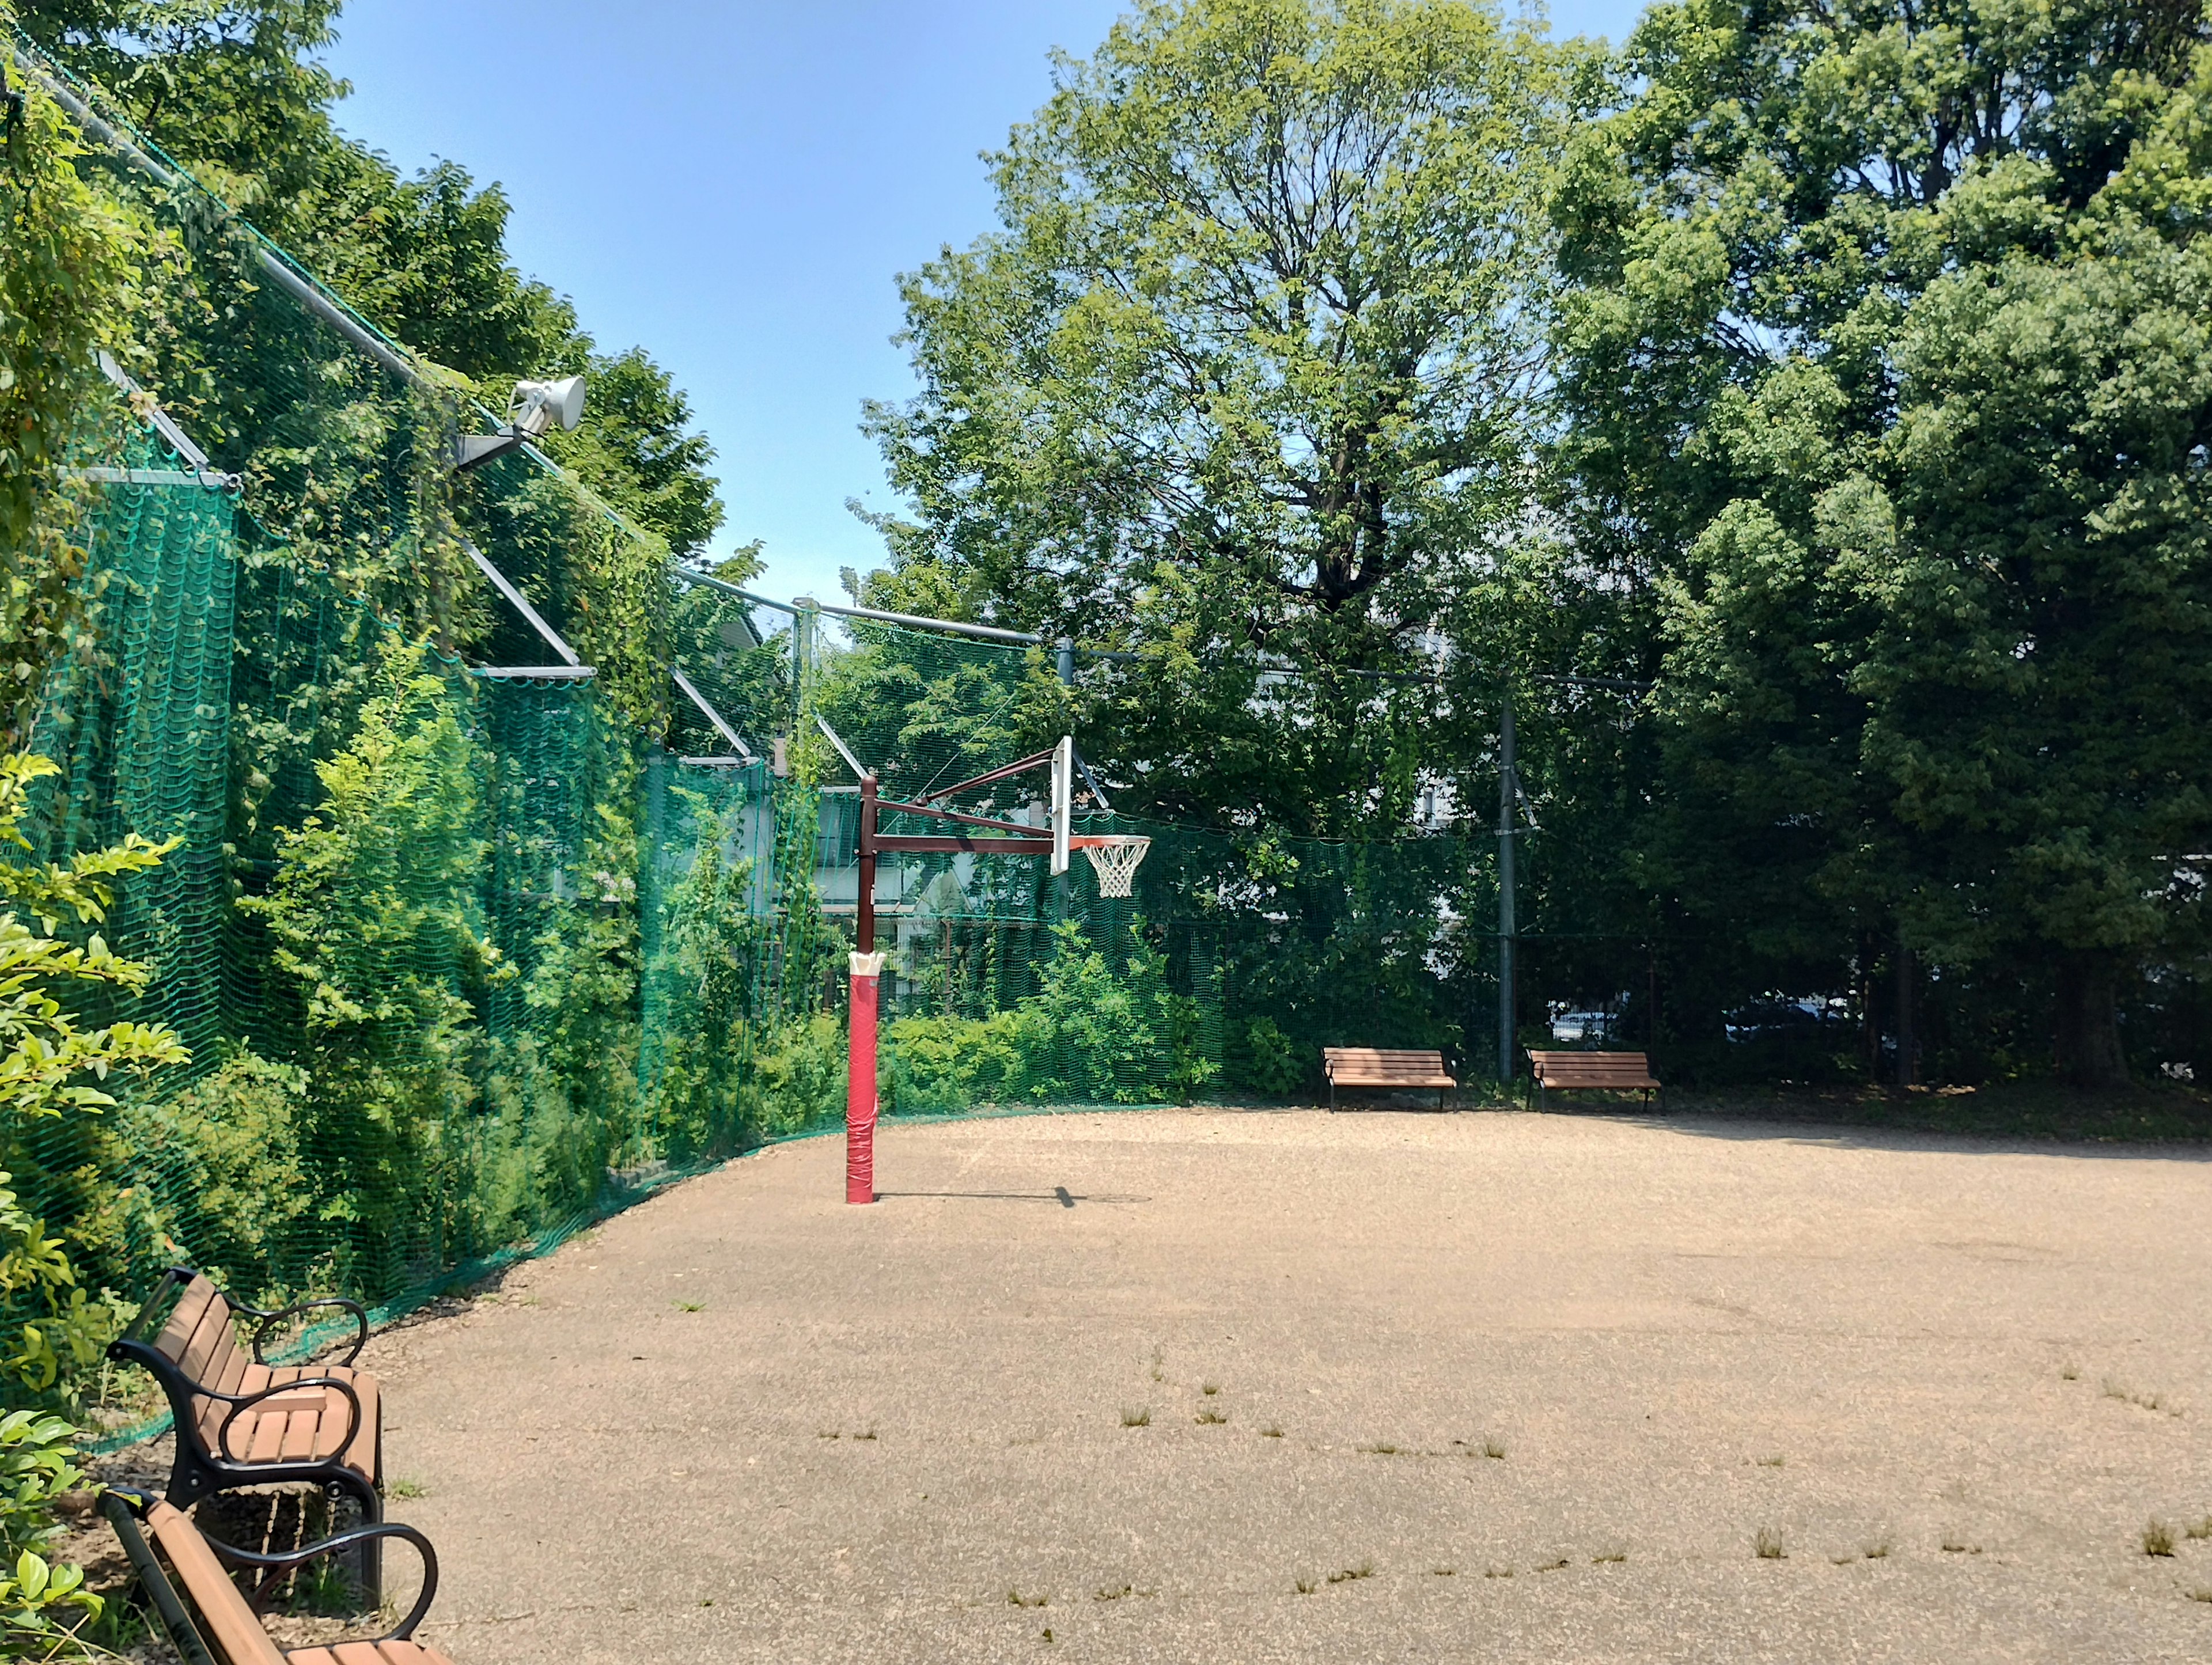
column 521, row 604
column 986, row 632
column 921, row 844
column 1508, row 781
column 1096, row 791
column 208, row 481
column 712, row 715
column 536, row 672
column 846, row 752
column 685, row 574
column 1021, row 827
column 204, row 474
column 1000, row 773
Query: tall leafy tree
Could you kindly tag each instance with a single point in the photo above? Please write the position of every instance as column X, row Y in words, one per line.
column 1247, row 377
column 1885, row 368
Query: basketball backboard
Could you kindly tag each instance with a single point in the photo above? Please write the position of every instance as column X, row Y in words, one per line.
column 1063, row 800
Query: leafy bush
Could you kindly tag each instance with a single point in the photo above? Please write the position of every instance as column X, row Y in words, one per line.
column 940, row 1066
column 377, row 921
column 1269, row 1062
column 1089, row 1034
column 37, row 1465
column 233, row 1184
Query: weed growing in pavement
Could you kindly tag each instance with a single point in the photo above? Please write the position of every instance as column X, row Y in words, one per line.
column 1772, row 1462
column 1490, row 1447
column 1158, row 1375
column 1106, row 1593
column 2202, row 1528
column 1303, row 1586
column 1136, row 1418
column 1210, row 1418
column 1271, row 1433
column 2069, row 1371
column 2201, row 1594
column 1209, row 1388
column 690, row 1306
column 1878, row 1549
column 1497, row 1572
column 408, row 1489
column 1015, row 1598
column 2157, row 1538
column 1609, row 1557
column 2150, row 1402
column 1955, row 1546
column 1766, row 1544
column 1365, row 1569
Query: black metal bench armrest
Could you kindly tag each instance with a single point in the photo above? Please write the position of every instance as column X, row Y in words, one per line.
column 276, row 1565
column 239, row 1402
column 269, row 1319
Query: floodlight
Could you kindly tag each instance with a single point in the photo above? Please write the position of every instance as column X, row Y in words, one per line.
column 531, row 413
column 536, row 405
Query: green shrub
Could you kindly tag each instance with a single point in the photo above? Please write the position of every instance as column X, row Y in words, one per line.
column 231, row 1184
column 1269, row 1062
column 37, row 1599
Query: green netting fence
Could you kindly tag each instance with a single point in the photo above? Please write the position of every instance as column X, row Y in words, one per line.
column 469, row 947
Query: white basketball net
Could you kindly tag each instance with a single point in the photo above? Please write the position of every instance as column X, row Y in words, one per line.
column 1114, row 860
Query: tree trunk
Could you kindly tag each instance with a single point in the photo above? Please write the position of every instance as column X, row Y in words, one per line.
column 2089, row 1036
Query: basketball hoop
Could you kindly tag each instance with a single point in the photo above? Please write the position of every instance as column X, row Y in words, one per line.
column 1115, row 858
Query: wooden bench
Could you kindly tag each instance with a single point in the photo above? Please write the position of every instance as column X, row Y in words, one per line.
column 242, row 1421
column 1394, row 1069
column 1609, row 1071
column 210, row 1621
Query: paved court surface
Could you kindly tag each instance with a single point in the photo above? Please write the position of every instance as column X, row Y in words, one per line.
column 1950, row 1381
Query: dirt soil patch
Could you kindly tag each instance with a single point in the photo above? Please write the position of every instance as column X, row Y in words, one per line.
column 1239, row 1386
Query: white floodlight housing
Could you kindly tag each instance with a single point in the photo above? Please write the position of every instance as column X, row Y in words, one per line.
column 1063, row 800
column 537, row 405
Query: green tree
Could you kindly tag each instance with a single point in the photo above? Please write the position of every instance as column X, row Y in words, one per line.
column 1249, row 372
column 1884, row 381
column 48, row 1326
column 68, row 283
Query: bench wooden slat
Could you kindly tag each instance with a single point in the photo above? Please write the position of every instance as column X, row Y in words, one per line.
column 184, row 1318
column 221, row 1608
column 206, row 1353
column 1613, row 1070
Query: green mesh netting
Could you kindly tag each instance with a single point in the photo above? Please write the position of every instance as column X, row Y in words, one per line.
column 464, row 959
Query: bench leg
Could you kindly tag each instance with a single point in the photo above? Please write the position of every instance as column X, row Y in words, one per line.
column 368, row 1558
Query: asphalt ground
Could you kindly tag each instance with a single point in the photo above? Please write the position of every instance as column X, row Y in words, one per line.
column 1489, row 1385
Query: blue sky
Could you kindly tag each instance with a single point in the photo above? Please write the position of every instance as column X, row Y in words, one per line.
column 734, row 187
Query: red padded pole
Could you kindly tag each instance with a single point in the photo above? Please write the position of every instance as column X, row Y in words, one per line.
column 860, row 1081
column 866, row 966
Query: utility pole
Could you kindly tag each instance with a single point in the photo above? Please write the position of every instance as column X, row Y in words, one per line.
column 1506, row 926
column 1064, row 663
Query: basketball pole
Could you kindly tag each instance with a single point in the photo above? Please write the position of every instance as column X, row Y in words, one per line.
column 866, row 966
